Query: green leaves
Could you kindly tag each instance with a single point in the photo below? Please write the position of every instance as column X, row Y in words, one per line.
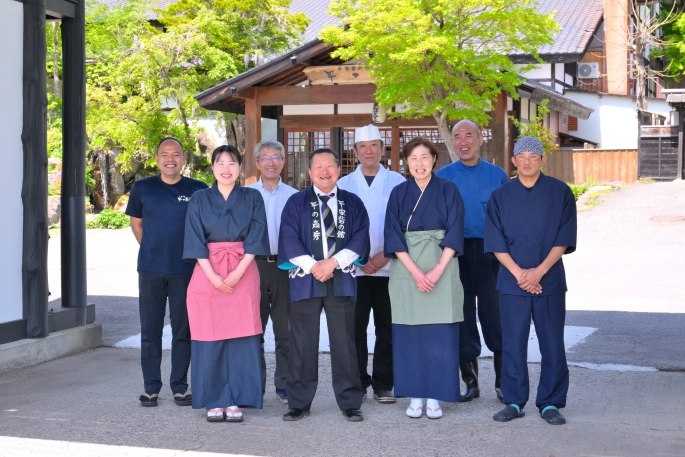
column 445, row 58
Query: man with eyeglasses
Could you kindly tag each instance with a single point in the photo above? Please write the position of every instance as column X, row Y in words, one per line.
column 275, row 288
column 476, row 179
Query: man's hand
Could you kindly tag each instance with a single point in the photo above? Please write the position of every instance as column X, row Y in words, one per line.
column 529, row 280
column 375, row 263
column 323, row 269
column 137, row 228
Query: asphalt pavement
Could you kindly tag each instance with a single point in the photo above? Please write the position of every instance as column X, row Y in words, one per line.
column 625, row 281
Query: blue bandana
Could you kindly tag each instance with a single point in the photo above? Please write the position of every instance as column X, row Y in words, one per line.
column 528, row 144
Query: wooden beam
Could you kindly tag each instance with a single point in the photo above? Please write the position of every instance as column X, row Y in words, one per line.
column 34, row 190
column 315, row 95
column 294, row 121
column 500, row 133
column 395, row 149
column 73, row 198
column 253, row 135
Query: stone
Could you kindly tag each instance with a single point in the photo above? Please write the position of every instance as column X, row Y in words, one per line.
column 54, row 209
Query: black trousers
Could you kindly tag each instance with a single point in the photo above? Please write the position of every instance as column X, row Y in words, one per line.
column 275, row 302
column 153, row 291
column 372, row 294
column 303, row 364
column 478, row 274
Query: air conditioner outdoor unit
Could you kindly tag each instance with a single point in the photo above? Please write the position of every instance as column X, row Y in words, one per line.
column 588, row 70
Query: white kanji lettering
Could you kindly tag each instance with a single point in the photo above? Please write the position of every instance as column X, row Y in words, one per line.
column 316, row 224
column 340, row 203
column 314, row 204
column 315, row 214
column 341, row 212
column 341, row 220
column 317, row 235
column 341, row 234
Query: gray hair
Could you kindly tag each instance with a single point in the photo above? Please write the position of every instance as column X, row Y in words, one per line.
column 269, row 144
column 469, row 122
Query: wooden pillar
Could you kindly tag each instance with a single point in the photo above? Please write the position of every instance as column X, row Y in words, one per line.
column 500, row 133
column 395, row 149
column 73, row 199
column 253, row 135
column 34, row 191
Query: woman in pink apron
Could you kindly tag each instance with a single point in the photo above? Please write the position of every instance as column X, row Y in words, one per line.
column 225, row 229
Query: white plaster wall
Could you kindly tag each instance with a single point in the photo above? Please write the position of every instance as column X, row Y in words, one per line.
column 11, row 172
column 545, row 71
column 308, row 109
column 613, row 124
column 355, row 108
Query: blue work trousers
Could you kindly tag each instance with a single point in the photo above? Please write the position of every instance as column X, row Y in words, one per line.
column 548, row 313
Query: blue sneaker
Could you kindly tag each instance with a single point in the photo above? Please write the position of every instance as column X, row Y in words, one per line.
column 282, row 395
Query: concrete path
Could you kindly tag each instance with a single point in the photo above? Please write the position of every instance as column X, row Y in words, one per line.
column 625, row 284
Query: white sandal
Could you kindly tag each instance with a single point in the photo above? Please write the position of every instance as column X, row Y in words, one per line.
column 414, row 413
column 234, row 414
column 433, row 413
column 216, row 415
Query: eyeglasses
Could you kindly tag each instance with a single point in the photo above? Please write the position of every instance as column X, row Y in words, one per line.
column 274, row 158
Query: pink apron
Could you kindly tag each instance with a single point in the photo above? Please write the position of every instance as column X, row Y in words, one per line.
column 214, row 315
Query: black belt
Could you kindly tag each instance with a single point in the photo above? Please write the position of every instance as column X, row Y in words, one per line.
column 271, row 258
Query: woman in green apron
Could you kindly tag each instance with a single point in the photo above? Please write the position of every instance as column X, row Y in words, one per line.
column 424, row 230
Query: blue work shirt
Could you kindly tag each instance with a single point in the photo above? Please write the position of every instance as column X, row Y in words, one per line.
column 162, row 207
column 475, row 185
column 274, row 202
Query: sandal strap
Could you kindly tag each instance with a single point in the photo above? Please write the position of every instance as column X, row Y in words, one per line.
column 149, row 396
column 216, row 410
column 517, row 407
column 542, row 413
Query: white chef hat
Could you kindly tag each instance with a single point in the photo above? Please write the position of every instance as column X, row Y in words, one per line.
column 367, row 133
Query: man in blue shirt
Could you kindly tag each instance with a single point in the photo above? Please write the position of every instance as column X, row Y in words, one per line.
column 157, row 207
column 476, row 179
column 274, row 283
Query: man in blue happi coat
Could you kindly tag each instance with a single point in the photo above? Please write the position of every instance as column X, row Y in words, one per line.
column 324, row 235
column 530, row 223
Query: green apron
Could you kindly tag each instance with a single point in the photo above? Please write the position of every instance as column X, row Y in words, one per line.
column 444, row 304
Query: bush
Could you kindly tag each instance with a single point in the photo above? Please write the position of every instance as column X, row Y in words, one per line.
column 578, row 190
column 109, row 219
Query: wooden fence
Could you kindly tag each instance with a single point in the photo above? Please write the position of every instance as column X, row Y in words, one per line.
column 577, row 166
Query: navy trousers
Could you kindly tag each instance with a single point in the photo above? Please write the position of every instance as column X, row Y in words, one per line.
column 478, row 274
column 153, row 291
column 548, row 313
column 275, row 302
column 372, row 294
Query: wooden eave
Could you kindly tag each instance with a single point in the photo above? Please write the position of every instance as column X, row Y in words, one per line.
column 286, row 70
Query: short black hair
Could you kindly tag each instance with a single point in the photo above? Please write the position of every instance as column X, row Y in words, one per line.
column 230, row 150
column 164, row 140
column 323, row 151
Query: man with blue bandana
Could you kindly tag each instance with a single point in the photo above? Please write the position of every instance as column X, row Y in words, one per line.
column 530, row 223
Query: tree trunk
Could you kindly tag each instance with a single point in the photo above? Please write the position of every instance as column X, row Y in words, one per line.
column 55, row 60
column 445, row 133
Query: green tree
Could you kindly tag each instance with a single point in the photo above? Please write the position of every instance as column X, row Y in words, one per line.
column 535, row 128
column 444, row 58
column 143, row 78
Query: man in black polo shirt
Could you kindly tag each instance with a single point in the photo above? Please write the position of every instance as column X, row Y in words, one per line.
column 157, row 208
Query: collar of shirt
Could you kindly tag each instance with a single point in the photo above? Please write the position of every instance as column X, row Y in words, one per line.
column 332, row 202
column 261, row 183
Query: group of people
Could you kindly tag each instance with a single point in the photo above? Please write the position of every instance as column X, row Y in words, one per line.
column 429, row 256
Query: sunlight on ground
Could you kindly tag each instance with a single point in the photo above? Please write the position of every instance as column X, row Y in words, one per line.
column 20, row 447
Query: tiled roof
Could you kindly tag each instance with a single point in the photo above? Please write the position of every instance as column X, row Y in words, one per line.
column 317, row 11
column 578, row 19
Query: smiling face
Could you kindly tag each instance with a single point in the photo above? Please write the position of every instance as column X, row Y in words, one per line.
column 270, row 163
column 467, row 141
column 528, row 164
column 170, row 160
column 420, row 163
column 226, row 169
column 324, row 171
column 369, row 153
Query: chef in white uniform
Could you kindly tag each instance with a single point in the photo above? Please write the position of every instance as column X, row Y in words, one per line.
column 372, row 183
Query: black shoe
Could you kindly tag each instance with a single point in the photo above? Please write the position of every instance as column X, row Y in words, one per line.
column 384, row 396
column 510, row 412
column 185, row 399
column 469, row 373
column 353, row 415
column 552, row 415
column 295, row 414
column 470, row 393
column 282, row 395
column 148, row 399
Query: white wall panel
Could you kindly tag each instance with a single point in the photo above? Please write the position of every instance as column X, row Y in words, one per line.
column 11, row 171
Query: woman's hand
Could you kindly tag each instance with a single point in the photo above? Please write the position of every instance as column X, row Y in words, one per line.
column 219, row 283
column 422, row 280
column 233, row 278
column 435, row 274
